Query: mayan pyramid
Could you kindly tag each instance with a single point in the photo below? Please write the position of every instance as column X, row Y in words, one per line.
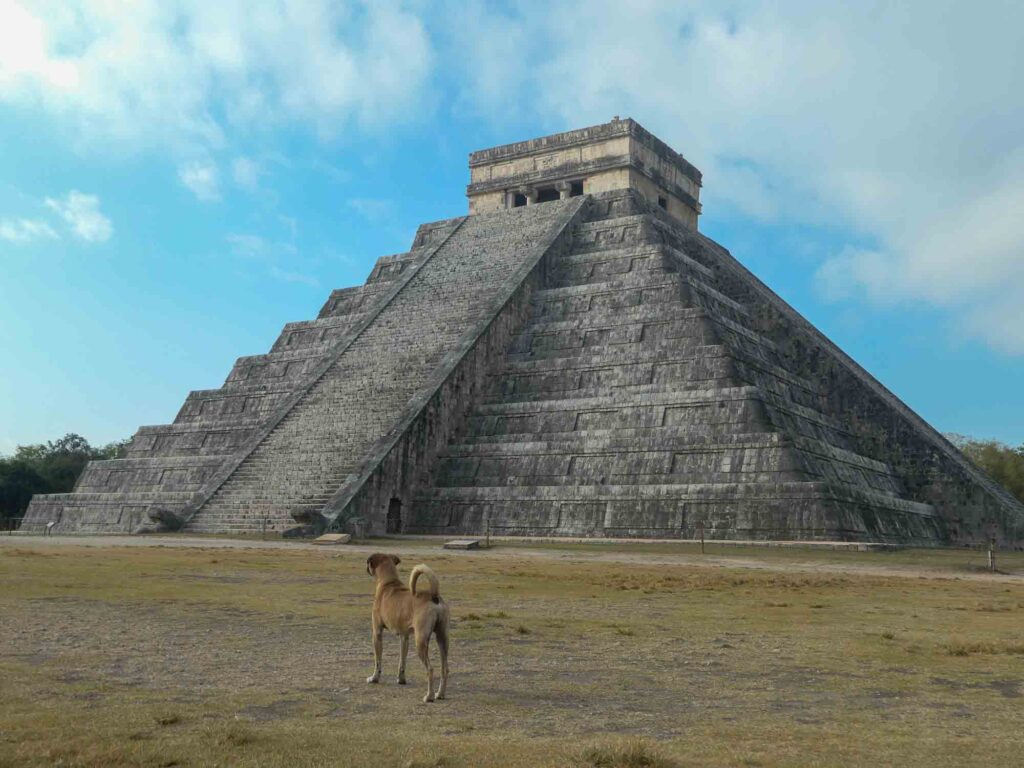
column 570, row 359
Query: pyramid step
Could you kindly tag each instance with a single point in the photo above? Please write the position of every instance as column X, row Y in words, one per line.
column 652, row 252
column 642, row 313
column 630, row 476
column 624, row 389
column 618, row 355
column 602, row 441
column 620, row 285
column 695, row 432
column 665, row 396
column 785, row 510
column 672, row 492
column 612, row 351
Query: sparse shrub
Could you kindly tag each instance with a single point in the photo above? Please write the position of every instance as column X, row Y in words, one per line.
column 171, row 719
column 429, row 762
column 521, row 630
column 472, row 617
column 631, row 754
column 888, row 636
column 237, row 736
column 959, row 649
column 971, row 648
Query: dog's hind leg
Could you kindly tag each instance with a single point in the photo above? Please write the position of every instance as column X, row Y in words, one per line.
column 378, row 651
column 423, row 651
column 401, row 659
column 441, row 632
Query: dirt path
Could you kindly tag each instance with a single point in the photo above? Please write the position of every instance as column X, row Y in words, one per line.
column 791, row 561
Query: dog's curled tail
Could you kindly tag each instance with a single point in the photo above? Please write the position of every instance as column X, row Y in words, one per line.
column 423, row 570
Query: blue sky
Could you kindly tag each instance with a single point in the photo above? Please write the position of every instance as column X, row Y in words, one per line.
column 178, row 179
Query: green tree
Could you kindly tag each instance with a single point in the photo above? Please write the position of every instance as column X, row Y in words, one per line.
column 51, row 467
column 1001, row 462
column 18, row 482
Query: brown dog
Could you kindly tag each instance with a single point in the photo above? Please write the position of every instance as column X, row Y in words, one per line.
column 406, row 612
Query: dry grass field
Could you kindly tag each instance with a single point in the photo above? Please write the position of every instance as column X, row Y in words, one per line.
column 595, row 656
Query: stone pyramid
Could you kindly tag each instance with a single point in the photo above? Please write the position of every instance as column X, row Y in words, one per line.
column 571, row 359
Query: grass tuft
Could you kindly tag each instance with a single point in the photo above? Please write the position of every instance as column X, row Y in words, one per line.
column 631, row 754
column 237, row 736
column 976, row 648
column 430, row 762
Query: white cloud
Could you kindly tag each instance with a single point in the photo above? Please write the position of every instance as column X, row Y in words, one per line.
column 202, row 178
column 290, row 276
column 873, row 118
column 374, row 210
column 246, row 173
column 81, row 212
column 248, row 246
column 278, row 258
column 26, row 230
column 186, row 74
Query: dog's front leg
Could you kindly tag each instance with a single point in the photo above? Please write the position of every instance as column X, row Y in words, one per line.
column 378, row 651
column 401, row 659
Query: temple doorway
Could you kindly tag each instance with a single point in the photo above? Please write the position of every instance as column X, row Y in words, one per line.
column 394, row 519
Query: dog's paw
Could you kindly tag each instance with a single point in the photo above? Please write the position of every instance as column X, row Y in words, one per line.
column 373, row 679
column 438, row 697
column 401, row 681
column 428, row 698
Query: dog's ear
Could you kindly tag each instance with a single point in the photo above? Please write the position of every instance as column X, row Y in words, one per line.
column 371, row 563
column 395, row 558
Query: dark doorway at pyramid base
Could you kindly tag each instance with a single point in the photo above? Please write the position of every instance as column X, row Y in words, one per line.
column 394, row 519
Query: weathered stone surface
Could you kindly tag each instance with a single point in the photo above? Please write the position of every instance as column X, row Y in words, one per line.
column 590, row 366
column 462, row 544
column 333, row 538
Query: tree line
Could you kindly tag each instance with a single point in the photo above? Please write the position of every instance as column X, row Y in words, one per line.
column 51, row 467
column 1001, row 462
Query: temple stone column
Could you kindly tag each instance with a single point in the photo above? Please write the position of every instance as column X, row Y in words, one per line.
column 564, row 188
column 530, row 193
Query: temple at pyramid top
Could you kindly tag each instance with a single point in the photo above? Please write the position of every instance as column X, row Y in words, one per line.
column 619, row 154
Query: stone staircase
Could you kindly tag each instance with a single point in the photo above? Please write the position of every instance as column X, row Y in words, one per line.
column 639, row 401
column 297, row 467
column 166, row 465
